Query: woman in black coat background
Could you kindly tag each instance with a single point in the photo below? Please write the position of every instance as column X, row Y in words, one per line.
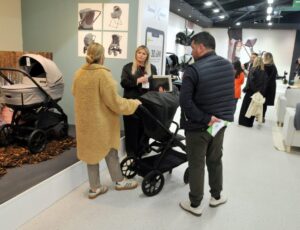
column 136, row 80
column 256, row 82
column 271, row 71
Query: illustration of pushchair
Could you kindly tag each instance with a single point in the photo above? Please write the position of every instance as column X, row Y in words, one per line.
column 114, row 46
column 87, row 18
column 88, row 39
column 157, row 112
column 37, row 116
column 116, row 17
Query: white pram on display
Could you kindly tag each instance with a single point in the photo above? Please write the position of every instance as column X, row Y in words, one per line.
column 36, row 113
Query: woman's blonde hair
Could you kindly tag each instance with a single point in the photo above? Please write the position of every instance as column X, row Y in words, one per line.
column 147, row 63
column 268, row 58
column 258, row 63
column 95, row 52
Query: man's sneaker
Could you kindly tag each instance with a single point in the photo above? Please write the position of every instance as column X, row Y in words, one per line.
column 186, row 205
column 126, row 184
column 215, row 203
column 99, row 191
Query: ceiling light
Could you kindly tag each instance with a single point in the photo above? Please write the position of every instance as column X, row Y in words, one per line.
column 216, row 10
column 269, row 10
column 270, row 1
column 270, row 23
column 178, row 9
column 238, row 24
column 208, row 3
column 222, row 16
column 190, row 16
column 268, row 18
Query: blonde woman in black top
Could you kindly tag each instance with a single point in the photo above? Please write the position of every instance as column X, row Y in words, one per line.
column 136, row 80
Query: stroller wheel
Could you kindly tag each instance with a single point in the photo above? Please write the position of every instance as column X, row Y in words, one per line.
column 186, row 176
column 128, row 167
column 37, row 141
column 6, row 136
column 153, row 183
column 64, row 130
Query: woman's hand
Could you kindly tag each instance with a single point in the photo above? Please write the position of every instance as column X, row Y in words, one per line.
column 143, row 79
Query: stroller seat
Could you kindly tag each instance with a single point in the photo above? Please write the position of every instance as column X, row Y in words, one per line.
column 44, row 79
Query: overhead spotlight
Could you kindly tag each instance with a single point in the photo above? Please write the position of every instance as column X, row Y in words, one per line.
column 208, row 3
column 190, row 16
column 178, row 9
column 216, row 10
column 270, row 1
column 222, row 16
column 270, row 23
column 268, row 18
column 238, row 23
column 269, row 9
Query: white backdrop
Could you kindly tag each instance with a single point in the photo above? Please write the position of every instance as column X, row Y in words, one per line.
column 279, row 42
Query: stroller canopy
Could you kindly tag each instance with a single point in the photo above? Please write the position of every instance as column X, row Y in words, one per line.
column 40, row 67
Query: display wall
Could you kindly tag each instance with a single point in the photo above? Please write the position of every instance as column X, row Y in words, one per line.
column 53, row 26
column 10, row 25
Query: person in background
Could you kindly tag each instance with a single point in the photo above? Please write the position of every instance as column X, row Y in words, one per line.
column 136, row 80
column 297, row 67
column 256, row 82
column 97, row 110
column 248, row 65
column 206, row 98
column 238, row 80
column 270, row 90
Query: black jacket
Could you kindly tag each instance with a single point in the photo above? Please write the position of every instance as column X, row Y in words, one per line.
column 128, row 81
column 256, row 82
column 207, row 89
column 271, row 71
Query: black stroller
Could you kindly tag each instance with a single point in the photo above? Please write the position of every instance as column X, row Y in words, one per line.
column 36, row 113
column 157, row 112
column 114, row 46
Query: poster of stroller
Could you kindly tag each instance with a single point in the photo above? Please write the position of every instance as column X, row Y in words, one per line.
column 89, row 16
column 85, row 38
column 115, row 44
column 115, row 16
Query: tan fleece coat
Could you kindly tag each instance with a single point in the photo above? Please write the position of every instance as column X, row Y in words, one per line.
column 97, row 110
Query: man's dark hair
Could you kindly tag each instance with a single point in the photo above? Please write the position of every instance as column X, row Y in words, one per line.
column 253, row 53
column 204, row 38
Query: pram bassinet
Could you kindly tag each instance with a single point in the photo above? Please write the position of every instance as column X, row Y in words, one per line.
column 45, row 76
column 156, row 112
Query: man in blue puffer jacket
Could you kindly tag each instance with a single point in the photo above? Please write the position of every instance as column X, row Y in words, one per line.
column 207, row 102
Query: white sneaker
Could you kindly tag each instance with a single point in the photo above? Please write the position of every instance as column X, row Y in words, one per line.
column 215, row 203
column 93, row 194
column 186, row 205
column 126, row 184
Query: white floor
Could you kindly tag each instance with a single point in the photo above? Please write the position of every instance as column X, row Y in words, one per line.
column 262, row 184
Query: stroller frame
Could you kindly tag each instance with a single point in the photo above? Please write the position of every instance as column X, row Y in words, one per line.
column 33, row 123
column 153, row 167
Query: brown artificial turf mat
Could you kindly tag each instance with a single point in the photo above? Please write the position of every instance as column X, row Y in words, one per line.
column 15, row 156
